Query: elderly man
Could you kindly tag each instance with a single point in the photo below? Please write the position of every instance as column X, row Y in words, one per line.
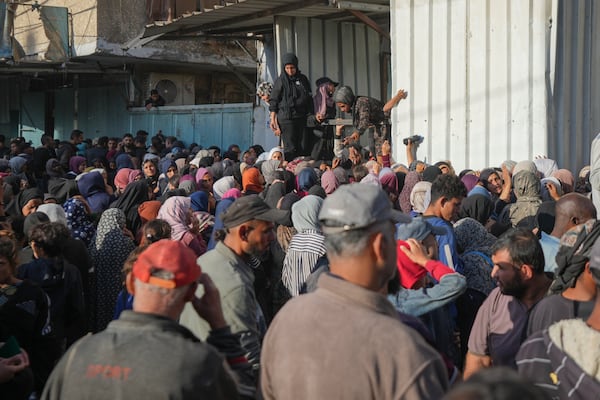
column 248, row 224
column 146, row 354
column 345, row 340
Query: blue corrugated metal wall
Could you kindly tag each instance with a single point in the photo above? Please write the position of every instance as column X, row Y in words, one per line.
column 102, row 112
column 211, row 124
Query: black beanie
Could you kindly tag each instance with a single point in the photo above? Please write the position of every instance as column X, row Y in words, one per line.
column 289, row 58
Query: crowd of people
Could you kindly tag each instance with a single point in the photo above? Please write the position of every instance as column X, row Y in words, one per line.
column 150, row 268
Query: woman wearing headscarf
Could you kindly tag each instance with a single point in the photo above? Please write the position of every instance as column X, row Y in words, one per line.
column 17, row 165
column 55, row 212
column 566, row 179
column 526, row 187
column 470, row 181
column 223, row 185
column 123, row 160
column 135, row 194
column 227, row 199
column 168, row 169
column 551, row 189
column 526, row 165
column 188, row 186
column 545, row 167
column 478, row 207
column 177, row 212
column 79, row 221
column 268, row 169
column 329, row 182
column 204, row 182
column 389, row 183
column 150, row 171
column 77, row 164
column 306, row 178
column 289, row 105
column 58, row 186
column 25, row 202
column 474, row 245
column 276, row 190
column 148, row 211
column 102, row 171
column 93, row 188
column 109, row 249
column 252, row 181
column 420, row 196
column 123, row 177
column 204, row 179
column 306, row 247
column 276, row 153
column 411, row 180
column 203, row 220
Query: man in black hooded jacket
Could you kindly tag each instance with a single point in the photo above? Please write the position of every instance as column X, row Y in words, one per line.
column 290, row 104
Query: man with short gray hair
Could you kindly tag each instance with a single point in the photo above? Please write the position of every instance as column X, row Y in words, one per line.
column 345, row 338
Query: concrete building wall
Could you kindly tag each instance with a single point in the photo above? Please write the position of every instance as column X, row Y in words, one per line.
column 82, row 25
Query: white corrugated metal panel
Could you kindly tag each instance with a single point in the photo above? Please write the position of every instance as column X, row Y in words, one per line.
column 349, row 53
column 476, row 72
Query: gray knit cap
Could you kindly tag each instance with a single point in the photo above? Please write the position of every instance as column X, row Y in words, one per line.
column 343, row 94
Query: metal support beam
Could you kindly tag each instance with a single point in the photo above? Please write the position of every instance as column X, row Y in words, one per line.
column 245, row 49
column 358, row 6
column 239, row 75
column 140, row 41
column 371, row 24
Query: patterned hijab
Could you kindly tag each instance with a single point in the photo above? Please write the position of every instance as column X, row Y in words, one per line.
column 474, row 243
column 109, row 249
column 78, row 221
column 411, row 180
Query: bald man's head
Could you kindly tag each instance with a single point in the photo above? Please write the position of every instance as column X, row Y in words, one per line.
column 572, row 209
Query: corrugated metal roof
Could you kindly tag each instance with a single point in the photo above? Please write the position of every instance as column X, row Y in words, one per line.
column 248, row 14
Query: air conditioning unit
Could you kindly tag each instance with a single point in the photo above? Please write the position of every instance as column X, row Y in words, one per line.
column 176, row 89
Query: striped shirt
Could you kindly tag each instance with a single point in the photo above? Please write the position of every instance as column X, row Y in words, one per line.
column 304, row 251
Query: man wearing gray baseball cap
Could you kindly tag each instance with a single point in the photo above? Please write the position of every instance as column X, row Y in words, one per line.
column 346, row 337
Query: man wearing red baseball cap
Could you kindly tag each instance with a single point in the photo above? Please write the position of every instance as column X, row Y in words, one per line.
column 146, row 354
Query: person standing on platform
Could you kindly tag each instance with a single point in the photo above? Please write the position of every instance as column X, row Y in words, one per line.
column 290, row 104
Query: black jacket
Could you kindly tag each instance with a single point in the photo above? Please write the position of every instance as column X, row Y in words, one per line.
column 141, row 356
column 288, row 107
